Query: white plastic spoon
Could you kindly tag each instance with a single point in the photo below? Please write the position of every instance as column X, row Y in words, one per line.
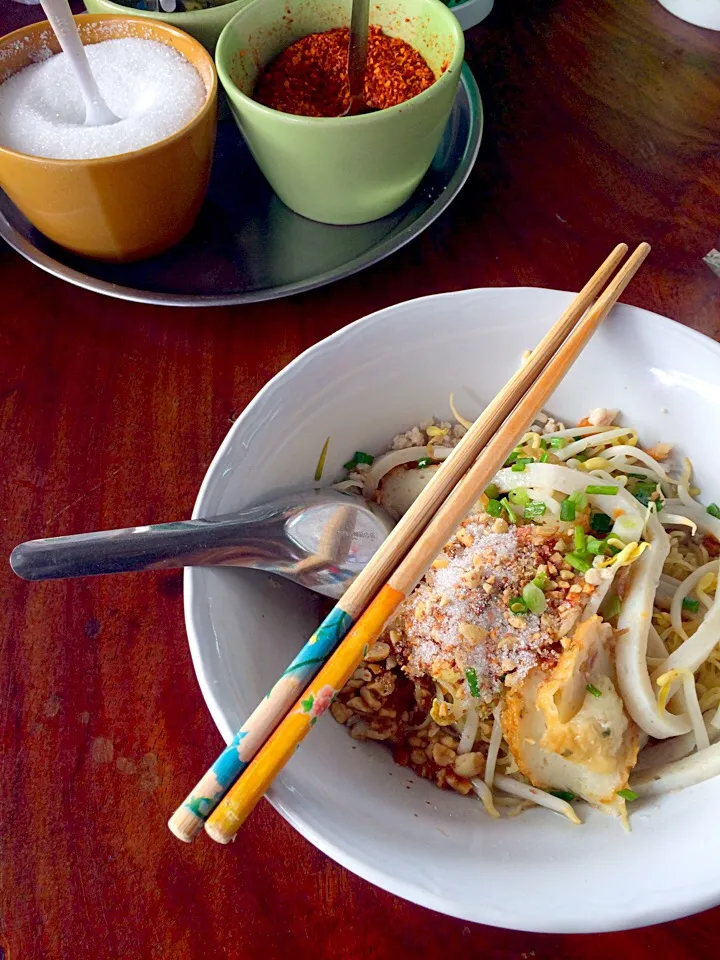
column 97, row 112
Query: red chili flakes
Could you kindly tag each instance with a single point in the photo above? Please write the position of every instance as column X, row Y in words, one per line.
column 310, row 77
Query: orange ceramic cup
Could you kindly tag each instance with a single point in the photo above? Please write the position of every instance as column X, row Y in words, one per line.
column 124, row 207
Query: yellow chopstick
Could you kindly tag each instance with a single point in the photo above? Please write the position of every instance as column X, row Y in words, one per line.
column 272, row 757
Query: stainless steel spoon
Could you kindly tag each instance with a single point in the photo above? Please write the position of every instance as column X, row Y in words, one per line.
column 319, row 538
column 357, row 56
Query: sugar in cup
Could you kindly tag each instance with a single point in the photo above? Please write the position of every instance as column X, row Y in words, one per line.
column 341, row 170
column 134, row 201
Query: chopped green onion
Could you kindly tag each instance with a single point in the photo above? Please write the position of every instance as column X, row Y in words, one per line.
column 321, row 462
column 545, row 457
column 601, row 523
column 714, row 510
column 471, row 677
column 563, row 795
column 610, row 607
column 581, row 457
column 424, row 462
column 629, row 795
column 557, row 443
column 517, row 605
column 512, row 458
column 361, row 457
column 541, row 580
column 600, row 490
column 518, row 467
column 578, row 562
column 491, row 491
column 646, row 493
column 349, row 466
column 593, row 691
column 534, row 598
column 519, row 496
column 580, row 540
column 534, row 509
column 494, row 508
column 594, row 546
column 521, row 463
column 505, row 504
column 579, row 499
column 567, row 510
column 543, row 443
column 692, row 605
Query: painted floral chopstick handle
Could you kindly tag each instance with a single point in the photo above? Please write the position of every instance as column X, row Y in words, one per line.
column 189, row 818
column 240, row 799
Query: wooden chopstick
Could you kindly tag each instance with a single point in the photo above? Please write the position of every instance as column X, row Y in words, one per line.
column 188, row 820
column 232, row 811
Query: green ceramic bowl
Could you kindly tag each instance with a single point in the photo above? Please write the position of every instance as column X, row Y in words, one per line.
column 205, row 25
column 341, row 170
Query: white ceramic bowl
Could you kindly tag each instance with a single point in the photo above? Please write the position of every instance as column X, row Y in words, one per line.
column 380, row 375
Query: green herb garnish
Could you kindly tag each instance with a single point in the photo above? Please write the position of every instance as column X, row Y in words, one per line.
column 578, row 562
column 542, row 580
column 534, row 509
column 579, row 499
column 600, row 490
column 580, row 541
column 361, row 457
column 692, row 605
column 472, row 680
column 567, row 510
column 519, row 496
column 494, row 508
column 594, row 546
column 714, row 510
column 517, row 605
column 505, row 504
column 491, row 491
column 593, row 690
column 628, row 795
column 424, row 462
column 557, row 443
column 544, row 457
column 534, row 599
column 646, row 493
column 601, row 523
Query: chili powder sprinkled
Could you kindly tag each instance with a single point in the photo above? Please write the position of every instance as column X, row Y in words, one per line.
column 310, row 77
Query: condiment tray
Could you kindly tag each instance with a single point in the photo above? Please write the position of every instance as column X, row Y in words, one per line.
column 247, row 246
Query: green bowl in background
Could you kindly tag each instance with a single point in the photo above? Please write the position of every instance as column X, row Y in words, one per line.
column 341, row 170
column 205, row 25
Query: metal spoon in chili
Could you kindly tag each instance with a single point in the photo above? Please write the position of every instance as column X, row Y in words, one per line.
column 357, row 58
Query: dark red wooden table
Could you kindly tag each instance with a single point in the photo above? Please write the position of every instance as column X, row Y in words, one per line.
column 602, row 124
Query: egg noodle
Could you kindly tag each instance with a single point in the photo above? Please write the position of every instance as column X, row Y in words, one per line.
column 565, row 644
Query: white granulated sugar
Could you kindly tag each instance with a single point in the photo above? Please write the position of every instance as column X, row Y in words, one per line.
column 153, row 89
column 480, row 571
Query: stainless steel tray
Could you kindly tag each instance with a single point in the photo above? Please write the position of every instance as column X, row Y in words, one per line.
column 247, row 245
